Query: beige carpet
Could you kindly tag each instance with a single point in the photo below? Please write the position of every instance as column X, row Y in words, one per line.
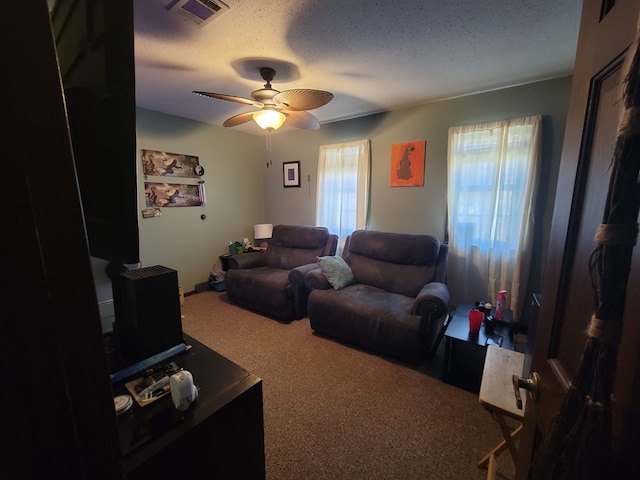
column 333, row 411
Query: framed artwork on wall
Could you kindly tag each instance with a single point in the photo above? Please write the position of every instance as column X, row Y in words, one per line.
column 168, row 164
column 407, row 164
column 291, row 174
column 172, row 195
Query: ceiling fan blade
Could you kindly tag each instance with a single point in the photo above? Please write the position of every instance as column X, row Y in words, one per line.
column 301, row 119
column 303, row 98
column 238, row 119
column 230, row 98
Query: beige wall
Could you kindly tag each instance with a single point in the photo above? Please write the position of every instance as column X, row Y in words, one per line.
column 411, row 209
column 421, row 209
column 241, row 190
column 180, row 239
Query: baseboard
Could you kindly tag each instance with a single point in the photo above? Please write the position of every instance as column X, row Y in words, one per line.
column 202, row 287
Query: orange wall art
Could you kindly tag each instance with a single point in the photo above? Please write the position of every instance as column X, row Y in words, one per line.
column 407, row 164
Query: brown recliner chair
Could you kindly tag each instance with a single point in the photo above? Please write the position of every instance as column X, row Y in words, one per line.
column 273, row 283
column 396, row 299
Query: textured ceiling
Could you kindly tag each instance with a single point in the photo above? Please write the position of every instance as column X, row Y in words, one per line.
column 373, row 56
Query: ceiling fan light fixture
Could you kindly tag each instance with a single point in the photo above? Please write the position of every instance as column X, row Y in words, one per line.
column 276, row 107
column 269, row 119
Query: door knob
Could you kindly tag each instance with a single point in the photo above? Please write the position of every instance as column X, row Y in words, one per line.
column 531, row 384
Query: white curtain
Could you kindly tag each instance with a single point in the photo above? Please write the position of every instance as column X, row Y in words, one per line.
column 342, row 201
column 492, row 185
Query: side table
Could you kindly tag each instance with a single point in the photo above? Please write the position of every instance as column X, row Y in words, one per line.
column 457, row 337
column 224, row 261
column 497, row 395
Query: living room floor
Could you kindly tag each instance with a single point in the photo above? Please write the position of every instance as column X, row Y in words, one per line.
column 334, row 411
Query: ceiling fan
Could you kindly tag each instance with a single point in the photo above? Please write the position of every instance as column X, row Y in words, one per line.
column 277, row 107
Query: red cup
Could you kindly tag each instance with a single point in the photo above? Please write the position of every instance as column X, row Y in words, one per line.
column 475, row 320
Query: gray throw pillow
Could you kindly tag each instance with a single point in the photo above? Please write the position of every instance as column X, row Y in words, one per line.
column 337, row 271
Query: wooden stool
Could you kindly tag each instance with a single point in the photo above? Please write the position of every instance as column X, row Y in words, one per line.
column 497, row 396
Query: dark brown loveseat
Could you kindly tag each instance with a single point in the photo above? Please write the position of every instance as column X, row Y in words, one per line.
column 398, row 300
column 273, row 283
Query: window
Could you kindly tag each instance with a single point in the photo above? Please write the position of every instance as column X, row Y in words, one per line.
column 492, row 181
column 343, row 188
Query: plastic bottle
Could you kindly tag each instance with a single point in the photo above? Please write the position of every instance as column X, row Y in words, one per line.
column 487, row 310
column 501, row 304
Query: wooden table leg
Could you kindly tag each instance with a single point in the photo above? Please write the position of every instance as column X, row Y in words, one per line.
column 491, row 472
column 502, row 446
column 508, row 436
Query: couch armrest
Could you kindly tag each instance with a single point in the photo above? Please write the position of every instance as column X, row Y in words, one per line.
column 432, row 301
column 248, row 260
column 316, row 280
column 297, row 275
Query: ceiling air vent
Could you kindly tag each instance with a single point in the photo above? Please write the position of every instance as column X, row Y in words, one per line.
column 199, row 12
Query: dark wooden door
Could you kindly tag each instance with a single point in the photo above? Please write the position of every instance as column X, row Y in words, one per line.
column 607, row 29
column 58, row 417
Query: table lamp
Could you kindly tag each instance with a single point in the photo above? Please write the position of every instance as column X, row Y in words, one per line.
column 261, row 233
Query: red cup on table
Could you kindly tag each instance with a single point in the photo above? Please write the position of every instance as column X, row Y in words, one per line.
column 475, row 320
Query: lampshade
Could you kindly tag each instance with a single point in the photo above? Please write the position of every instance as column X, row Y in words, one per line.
column 262, row 231
column 269, row 119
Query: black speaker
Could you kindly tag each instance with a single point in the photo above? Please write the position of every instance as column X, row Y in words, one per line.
column 151, row 319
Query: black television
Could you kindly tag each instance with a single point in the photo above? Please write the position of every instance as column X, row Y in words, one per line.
column 95, row 47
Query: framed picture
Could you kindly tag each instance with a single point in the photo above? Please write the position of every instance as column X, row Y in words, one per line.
column 291, row 174
column 168, row 164
column 407, row 164
column 172, row 195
